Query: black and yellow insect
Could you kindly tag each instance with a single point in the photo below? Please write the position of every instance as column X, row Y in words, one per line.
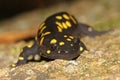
column 57, row 38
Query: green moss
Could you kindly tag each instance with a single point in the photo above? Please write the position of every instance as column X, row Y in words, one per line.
column 107, row 24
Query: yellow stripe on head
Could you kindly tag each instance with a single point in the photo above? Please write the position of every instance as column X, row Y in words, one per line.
column 64, row 25
column 59, row 17
column 42, row 29
column 59, row 24
column 59, row 29
column 68, row 23
column 66, row 16
column 44, row 34
column 72, row 18
column 41, row 25
column 41, row 40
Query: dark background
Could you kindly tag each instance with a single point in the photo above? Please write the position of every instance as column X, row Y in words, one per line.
column 9, row 8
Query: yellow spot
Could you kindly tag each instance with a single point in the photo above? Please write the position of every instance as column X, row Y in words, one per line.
column 41, row 40
column 59, row 17
column 68, row 23
column 71, row 44
column 65, row 36
column 66, row 16
column 59, row 29
column 81, row 48
column 44, row 34
column 13, row 65
column 59, row 24
column 42, row 29
column 41, row 25
column 53, row 41
column 20, row 58
column 73, row 19
column 68, row 39
column 64, row 25
column 36, row 57
column 58, row 51
column 30, row 57
column 89, row 29
column 72, row 37
column 48, row 51
column 61, row 43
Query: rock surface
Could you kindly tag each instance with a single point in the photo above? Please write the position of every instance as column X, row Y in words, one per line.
column 101, row 62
